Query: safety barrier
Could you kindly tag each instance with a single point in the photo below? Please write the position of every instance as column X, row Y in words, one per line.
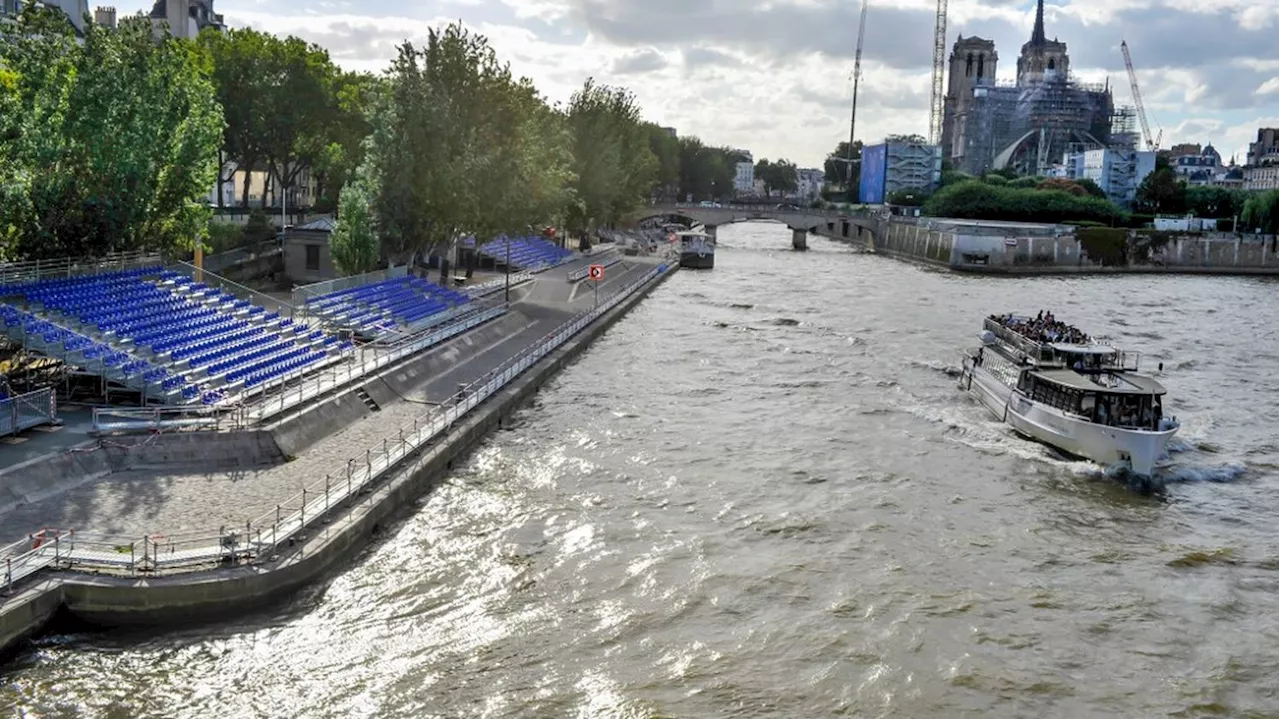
column 264, row 536
column 485, row 289
column 302, row 295
column 28, row 410
column 32, row 270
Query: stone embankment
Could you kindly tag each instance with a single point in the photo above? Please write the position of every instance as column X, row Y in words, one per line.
column 1018, row 248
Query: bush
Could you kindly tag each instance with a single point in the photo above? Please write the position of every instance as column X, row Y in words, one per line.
column 1024, row 182
column 224, row 236
column 985, row 201
column 996, row 180
column 1105, row 245
column 258, row 229
column 1065, row 185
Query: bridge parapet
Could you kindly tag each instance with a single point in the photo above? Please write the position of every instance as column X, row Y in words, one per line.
column 833, row 223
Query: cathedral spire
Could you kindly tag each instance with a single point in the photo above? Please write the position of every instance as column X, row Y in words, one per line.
column 1037, row 33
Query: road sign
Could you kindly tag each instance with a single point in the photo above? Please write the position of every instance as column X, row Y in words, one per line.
column 595, row 272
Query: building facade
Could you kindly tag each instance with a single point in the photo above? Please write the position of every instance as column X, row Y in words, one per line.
column 1026, row 125
column 184, row 18
column 744, row 178
column 809, row 183
column 1263, row 150
column 1117, row 171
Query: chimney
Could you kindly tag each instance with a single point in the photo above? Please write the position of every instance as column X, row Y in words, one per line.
column 105, row 16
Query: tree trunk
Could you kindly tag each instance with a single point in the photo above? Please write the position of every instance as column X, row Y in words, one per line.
column 248, row 177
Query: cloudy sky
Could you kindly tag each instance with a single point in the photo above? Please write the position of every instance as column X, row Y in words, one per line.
column 775, row 76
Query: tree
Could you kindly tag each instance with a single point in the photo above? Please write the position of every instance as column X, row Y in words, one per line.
column 1161, row 192
column 353, row 244
column 1259, row 212
column 706, row 173
column 353, row 95
column 905, row 140
column 110, row 144
column 236, row 60
column 1217, row 202
column 836, row 165
column 780, row 175
column 666, row 150
column 614, row 166
column 299, row 108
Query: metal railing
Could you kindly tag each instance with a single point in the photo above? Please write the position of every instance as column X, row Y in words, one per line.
column 208, row 277
column 1043, row 352
column 607, row 258
column 306, row 293
column 28, row 410
column 32, row 270
column 288, row 522
column 487, row 288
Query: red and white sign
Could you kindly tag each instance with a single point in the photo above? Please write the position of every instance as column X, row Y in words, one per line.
column 672, row 237
column 595, row 272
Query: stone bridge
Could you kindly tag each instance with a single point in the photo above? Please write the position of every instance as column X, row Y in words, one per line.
column 801, row 220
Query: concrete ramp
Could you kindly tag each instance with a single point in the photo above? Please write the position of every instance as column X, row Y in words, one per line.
column 43, row 477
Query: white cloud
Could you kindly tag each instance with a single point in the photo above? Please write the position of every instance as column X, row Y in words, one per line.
column 774, row 76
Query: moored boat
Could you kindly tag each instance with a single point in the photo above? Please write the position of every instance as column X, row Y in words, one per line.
column 1051, row 382
column 697, row 249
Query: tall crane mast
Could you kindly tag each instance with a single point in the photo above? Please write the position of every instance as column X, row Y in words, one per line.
column 853, row 114
column 939, row 64
column 1137, row 99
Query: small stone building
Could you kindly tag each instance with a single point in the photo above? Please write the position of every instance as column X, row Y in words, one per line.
column 306, row 252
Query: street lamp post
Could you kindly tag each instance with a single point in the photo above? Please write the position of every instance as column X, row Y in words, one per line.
column 506, row 289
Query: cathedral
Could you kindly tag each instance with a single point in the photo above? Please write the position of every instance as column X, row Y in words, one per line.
column 1027, row 125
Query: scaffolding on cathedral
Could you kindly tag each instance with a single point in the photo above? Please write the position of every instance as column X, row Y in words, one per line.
column 1029, row 127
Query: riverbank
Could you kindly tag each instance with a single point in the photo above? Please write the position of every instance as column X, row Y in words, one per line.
column 1016, row 248
column 386, row 487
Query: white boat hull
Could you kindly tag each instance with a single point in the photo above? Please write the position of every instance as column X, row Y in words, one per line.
column 1096, row 442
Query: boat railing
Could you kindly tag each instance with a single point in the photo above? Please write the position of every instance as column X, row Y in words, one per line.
column 1043, row 353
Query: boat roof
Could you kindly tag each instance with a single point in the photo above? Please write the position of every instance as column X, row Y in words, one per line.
column 1125, row 383
column 693, row 233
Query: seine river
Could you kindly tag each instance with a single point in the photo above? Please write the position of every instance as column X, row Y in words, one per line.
column 762, row 495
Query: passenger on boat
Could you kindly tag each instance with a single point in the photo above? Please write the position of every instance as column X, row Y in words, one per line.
column 1043, row 328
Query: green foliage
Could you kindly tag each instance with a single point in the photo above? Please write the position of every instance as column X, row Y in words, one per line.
column 614, row 166
column 353, row 244
column 1104, row 245
column 1067, row 186
column 224, row 236
column 258, row 228
column 106, row 145
column 905, row 140
column 951, row 177
column 1215, row 201
column 1091, row 188
column 706, row 173
column 666, row 149
column 1161, row 192
column 780, row 176
column 1259, row 213
column 994, row 179
column 982, row 200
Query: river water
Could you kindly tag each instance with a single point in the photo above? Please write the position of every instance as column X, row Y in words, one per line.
column 762, row 495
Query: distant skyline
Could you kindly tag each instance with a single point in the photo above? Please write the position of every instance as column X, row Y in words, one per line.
column 778, row 81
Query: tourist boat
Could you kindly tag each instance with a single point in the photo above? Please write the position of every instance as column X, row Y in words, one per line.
column 1052, row 383
column 697, row 249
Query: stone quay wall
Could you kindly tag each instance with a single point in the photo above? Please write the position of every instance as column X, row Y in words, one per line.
column 1024, row 248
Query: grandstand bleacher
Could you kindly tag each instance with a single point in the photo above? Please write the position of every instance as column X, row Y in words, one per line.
column 527, row 253
column 400, row 304
column 162, row 333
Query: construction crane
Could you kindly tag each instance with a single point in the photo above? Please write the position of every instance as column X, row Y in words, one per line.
column 939, row 63
column 853, row 113
column 1152, row 145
